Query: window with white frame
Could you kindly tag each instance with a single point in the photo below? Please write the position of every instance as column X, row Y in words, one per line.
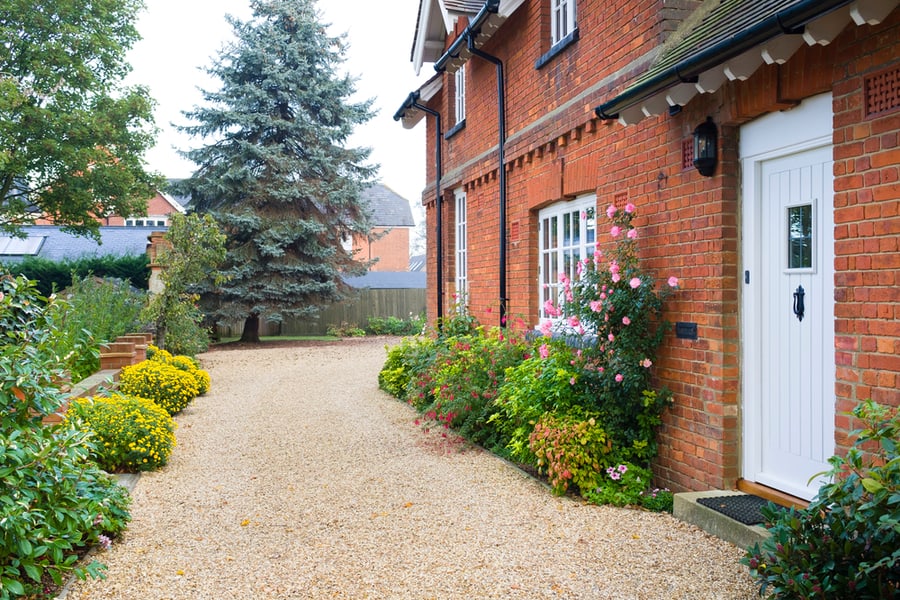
column 462, row 258
column 567, row 234
column 460, row 95
column 157, row 222
column 563, row 21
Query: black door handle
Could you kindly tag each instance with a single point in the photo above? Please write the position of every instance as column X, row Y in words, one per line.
column 799, row 308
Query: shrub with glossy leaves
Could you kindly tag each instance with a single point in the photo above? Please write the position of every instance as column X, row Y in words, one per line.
column 168, row 386
column 129, row 433
column 54, row 501
column 846, row 543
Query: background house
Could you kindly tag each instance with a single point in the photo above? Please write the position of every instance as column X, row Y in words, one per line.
column 392, row 221
column 600, row 106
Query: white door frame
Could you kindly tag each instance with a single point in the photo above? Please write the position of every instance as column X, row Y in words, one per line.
column 772, row 136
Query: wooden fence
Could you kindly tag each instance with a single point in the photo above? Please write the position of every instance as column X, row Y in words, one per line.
column 370, row 302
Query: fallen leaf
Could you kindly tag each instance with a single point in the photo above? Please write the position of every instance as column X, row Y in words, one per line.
column 245, row 522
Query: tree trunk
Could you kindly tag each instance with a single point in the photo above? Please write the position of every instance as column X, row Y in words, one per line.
column 250, row 334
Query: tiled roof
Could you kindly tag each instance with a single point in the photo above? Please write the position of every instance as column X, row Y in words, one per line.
column 389, row 280
column 388, row 209
column 57, row 245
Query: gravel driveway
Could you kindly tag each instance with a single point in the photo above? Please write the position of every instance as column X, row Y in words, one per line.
column 295, row 477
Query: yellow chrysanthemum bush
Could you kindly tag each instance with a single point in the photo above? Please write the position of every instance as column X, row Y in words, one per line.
column 168, row 386
column 129, row 433
column 183, row 362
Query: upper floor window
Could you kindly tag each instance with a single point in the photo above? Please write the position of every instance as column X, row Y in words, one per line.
column 459, row 100
column 563, row 22
column 158, row 222
column 568, row 235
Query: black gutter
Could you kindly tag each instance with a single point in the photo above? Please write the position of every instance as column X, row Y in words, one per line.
column 501, row 151
column 789, row 20
column 490, row 7
column 412, row 101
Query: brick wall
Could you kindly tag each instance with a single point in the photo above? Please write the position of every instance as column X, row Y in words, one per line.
column 689, row 225
column 389, row 245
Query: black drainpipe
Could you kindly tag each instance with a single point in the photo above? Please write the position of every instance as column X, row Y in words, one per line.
column 412, row 101
column 501, row 109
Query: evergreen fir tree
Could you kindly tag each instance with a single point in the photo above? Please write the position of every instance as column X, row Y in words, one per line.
column 276, row 173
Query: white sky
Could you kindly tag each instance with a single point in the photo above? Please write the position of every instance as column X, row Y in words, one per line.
column 182, row 36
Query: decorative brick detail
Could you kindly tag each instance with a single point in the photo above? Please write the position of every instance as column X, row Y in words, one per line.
column 687, row 154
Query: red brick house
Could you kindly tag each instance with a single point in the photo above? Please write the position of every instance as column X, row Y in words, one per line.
column 787, row 246
column 392, row 220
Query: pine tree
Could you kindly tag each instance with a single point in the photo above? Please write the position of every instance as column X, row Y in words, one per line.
column 277, row 175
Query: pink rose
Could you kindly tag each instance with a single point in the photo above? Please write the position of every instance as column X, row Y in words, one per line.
column 626, row 321
column 619, row 377
column 546, row 328
column 632, row 234
column 544, row 351
column 573, row 321
column 611, row 337
column 635, row 283
column 629, row 208
column 646, row 363
column 611, row 211
column 596, row 305
column 614, row 267
column 673, row 282
column 615, row 230
column 616, row 277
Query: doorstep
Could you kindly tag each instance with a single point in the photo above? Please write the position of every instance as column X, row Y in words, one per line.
column 686, row 508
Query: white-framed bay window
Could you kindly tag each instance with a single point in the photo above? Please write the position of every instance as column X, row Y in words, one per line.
column 563, row 20
column 567, row 234
column 462, row 246
column 459, row 97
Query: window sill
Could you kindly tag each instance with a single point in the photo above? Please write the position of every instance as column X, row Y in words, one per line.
column 557, row 48
column 455, row 129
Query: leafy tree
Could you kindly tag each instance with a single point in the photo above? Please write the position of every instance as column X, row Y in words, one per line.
column 194, row 249
column 71, row 140
column 277, row 175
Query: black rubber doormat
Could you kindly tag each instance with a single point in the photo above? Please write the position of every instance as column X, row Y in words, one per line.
column 743, row 508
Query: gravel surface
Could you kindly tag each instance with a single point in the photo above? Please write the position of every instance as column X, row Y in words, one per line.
column 295, row 477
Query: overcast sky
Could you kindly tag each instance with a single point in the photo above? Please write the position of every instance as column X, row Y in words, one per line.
column 182, row 36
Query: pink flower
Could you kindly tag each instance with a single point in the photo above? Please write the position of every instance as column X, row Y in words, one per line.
column 573, row 321
column 104, row 541
column 615, row 475
column 572, row 381
column 615, row 230
column 611, row 211
column 632, row 234
column 546, row 327
column 626, row 321
column 623, row 469
column 603, row 294
column 583, row 215
column 563, row 279
column 544, row 351
column 629, row 208
column 635, row 283
column 673, row 281
column 598, row 255
column 646, row 363
column 611, row 337
column 613, row 267
column 550, row 309
column 579, row 268
column 619, row 377
column 596, row 305
column 616, row 277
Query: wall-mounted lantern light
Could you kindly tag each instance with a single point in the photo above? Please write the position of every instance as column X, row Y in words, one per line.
column 705, row 156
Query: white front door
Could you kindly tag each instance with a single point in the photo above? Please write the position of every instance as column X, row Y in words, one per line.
column 788, row 298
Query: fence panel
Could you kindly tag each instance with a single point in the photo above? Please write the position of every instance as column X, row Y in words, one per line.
column 400, row 303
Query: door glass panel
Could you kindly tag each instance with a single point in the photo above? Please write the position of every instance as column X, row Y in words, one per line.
column 800, row 236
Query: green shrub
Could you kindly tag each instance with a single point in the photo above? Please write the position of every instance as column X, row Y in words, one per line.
column 846, row 543
column 549, row 381
column 107, row 308
column 54, row 501
column 626, row 484
column 184, row 332
column 572, row 448
column 466, row 378
column 345, row 330
column 168, row 386
column 130, row 434
column 407, row 368
column 395, row 325
column 51, row 276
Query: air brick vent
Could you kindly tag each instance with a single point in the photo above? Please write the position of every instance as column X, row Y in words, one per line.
column 883, row 92
column 687, row 153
